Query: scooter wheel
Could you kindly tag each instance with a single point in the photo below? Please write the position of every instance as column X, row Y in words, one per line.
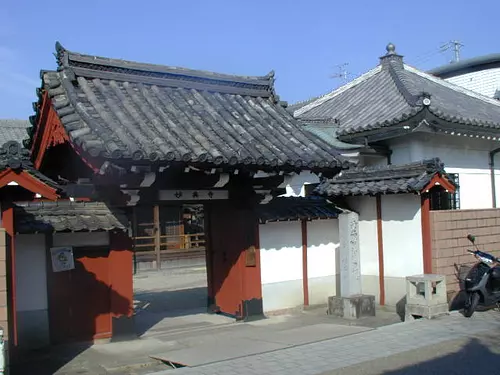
column 471, row 305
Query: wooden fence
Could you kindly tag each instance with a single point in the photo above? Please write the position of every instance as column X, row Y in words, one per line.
column 162, row 248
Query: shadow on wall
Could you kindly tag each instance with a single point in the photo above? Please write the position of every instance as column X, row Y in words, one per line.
column 475, row 357
column 83, row 307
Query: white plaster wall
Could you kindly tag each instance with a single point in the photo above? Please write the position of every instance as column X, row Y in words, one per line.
column 402, row 238
column 31, row 275
column 484, row 82
column 366, row 207
column 322, row 254
column 295, row 187
column 466, row 156
column 81, row 239
column 31, row 290
column 281, row 265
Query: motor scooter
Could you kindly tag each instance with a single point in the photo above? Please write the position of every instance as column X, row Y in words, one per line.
column 482, row 282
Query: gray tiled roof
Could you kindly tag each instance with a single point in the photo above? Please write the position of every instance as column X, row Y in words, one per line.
column 125, row 110
column 389, row 179
column 16, row 157
column 64, row 216
column 296, row 208
column 13, row 130
column 394, row 92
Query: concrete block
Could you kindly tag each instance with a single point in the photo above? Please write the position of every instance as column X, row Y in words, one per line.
column 353, row 307
column 428, row 312
column 426, row 290
column 426, row 296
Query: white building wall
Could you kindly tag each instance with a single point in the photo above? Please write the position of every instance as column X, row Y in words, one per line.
column 468, row 157
column 402, row 239
column 322, row 260
column 366, row 207
column 484, row 82
column 31, row 291
column 295, row 186
column 281, row 265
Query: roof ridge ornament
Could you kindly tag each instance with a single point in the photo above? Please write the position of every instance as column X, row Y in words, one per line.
column 391, row 55
column 391, row 49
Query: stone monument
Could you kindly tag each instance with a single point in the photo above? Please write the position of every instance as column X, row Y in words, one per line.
column 351, row 303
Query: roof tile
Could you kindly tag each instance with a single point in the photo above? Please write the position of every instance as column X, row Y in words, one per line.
column 125, row 110
column 63, row 216
column 389, row 179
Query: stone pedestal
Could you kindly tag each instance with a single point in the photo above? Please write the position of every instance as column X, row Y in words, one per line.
column 351, row 303
column 353, row 307
column 426, row 296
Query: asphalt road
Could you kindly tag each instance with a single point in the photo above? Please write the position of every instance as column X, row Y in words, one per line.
column 467, row 356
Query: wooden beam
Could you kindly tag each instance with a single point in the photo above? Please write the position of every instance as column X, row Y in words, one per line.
column 28, row 182
column 305, row 277
column 380, row 238
column 157, row 232
column 438, row 180
column 425, row 214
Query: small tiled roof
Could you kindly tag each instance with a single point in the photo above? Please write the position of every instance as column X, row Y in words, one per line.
column 13, row 130
column 122, row 110
column 16, row 157
column 395, row 93
column 388, row 179
column 63, row 216
column 296, row 208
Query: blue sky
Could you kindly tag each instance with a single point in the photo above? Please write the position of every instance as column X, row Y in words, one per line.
column 302, row 41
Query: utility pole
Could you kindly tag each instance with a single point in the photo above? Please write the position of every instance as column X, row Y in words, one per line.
column 456, row 45
column 343, row 74
column 456, row 49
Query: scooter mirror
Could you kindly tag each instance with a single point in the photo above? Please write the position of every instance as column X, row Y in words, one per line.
column 471, row 238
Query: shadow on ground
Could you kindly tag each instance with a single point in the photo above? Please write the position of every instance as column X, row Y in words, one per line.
column 473, row 358
column 47, row 361
column 154, row 307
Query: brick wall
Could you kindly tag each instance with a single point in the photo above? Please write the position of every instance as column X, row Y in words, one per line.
column 449, row 230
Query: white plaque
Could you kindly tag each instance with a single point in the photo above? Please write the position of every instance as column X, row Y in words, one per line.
column 62, row 259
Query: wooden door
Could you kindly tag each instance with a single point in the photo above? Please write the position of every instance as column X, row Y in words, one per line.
column 80, row 299
column 229, row 229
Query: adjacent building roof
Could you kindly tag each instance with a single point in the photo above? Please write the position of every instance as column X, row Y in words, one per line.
column 387, row 179
column 467, row 66
column 128, row 111
column 396, row 99
column 296, row 208
column 16, row 157
column 13, row 130
column 64, row 216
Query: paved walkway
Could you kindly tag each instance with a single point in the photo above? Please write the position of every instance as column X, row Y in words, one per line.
column 328, row 355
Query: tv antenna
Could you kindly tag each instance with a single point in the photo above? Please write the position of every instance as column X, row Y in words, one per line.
column 343, row 73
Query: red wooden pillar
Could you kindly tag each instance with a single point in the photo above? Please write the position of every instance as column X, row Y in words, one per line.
column 252, row 283
column 381, row 269
column 305, row 276
column 8, row 224
column 425, row 214
column 121, row 284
